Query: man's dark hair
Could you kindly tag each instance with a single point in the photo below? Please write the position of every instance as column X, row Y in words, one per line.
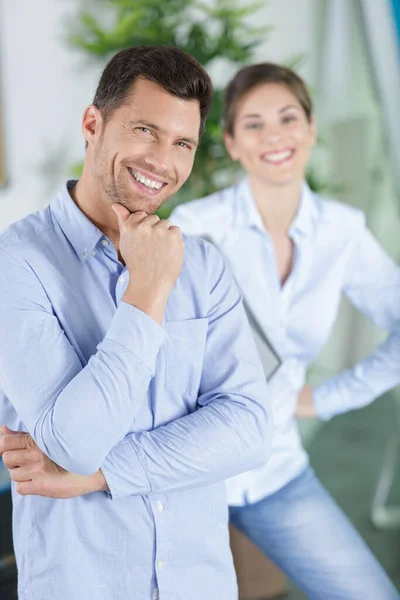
column 171, row 68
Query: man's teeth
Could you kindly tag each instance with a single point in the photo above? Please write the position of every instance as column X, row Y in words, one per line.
column 279, row 156
column 148, row 182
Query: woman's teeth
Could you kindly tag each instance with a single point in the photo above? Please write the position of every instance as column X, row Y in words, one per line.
column 147, row 182
column 278, row 156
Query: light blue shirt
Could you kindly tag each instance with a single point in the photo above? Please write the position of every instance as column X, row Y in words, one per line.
column 166, row 412
column 334, row 253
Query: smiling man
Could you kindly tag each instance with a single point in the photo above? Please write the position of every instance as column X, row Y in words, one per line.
column 126, row 357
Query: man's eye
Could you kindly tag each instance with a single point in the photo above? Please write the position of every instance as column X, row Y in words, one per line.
column 144, row 129
column 184, row 145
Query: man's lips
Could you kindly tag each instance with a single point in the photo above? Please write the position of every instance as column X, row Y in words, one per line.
column 278, row 157
column 146, row 182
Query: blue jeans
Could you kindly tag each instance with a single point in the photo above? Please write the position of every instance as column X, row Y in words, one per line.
column 303, row 531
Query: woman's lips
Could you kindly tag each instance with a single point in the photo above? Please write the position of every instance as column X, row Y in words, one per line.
column 278, row 157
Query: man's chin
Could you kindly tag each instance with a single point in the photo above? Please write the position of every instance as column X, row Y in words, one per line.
column 143, row 205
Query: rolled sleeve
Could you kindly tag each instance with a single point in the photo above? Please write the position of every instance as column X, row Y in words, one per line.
column 138, row 333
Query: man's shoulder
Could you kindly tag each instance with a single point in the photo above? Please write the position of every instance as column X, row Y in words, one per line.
column 202, row 262
column 199, row 251
column 27, row 231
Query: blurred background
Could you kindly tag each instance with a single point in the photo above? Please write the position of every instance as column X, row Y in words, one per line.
column 51, row 57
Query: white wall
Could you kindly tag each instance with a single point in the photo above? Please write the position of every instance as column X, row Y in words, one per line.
column 46, row 85
column 350, row 118
column 295, row 33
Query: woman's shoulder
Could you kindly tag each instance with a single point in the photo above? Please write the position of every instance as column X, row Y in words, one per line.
column 204, row 214
column 218, row 203
column 333, row 213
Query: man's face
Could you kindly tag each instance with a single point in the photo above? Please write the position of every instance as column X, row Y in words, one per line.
column 145, row 151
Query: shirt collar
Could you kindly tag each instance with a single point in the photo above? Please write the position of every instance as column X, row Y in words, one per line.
column 307, row 213
column 80, row 231
column 303, row 222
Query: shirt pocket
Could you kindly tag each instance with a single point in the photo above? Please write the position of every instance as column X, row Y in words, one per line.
column 184, row 349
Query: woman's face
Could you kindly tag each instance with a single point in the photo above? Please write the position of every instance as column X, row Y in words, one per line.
column 272, row 136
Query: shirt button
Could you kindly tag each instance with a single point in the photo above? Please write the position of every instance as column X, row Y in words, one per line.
column 122, row 279
column 160, row 564
column 94, row 253
column 160, row 506
column 155, row 595
column 105, row 242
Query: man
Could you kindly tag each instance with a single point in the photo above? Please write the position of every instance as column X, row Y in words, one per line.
column 126, row 357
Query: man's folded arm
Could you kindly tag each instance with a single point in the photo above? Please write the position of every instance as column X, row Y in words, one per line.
column 231, row 431
column 76, row 412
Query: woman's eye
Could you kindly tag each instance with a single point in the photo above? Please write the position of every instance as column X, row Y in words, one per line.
column 289, row 119
column 254, row 126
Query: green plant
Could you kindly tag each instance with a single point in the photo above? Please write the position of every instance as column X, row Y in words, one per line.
column 207, row 31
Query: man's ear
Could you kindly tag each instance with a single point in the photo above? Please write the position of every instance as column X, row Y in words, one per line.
column 230, row 145
column 92, row 124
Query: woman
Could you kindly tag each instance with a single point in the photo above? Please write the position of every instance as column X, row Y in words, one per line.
column 294, row 254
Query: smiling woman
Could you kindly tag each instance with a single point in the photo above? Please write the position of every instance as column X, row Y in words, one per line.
column 294, row 254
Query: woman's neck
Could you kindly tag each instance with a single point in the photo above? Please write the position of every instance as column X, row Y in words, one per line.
column 277, row 204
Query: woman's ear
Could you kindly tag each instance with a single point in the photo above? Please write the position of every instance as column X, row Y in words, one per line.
column 230, row 145
column 91, row 124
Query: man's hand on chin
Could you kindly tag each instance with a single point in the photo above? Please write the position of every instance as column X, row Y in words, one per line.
column 35, row 474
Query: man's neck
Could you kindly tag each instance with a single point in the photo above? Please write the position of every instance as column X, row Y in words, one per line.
column 90, row 200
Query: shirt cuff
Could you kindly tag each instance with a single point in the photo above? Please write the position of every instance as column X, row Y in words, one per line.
column 325, row 400
column 137, row 332
column 123, row 471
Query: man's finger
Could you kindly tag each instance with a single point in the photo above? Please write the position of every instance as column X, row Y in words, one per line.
column 17, row 458
column 21, row 474
column 152, row 220
column 121, row 213
column 4, row 430
column 26, row 488
column 14, row 441
column 164, row 223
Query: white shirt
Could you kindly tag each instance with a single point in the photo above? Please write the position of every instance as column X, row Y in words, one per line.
column 334, row 252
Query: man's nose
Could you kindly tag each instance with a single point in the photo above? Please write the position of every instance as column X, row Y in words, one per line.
column 159, row 158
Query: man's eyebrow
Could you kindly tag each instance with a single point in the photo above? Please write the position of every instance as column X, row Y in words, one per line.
column 139, row 123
